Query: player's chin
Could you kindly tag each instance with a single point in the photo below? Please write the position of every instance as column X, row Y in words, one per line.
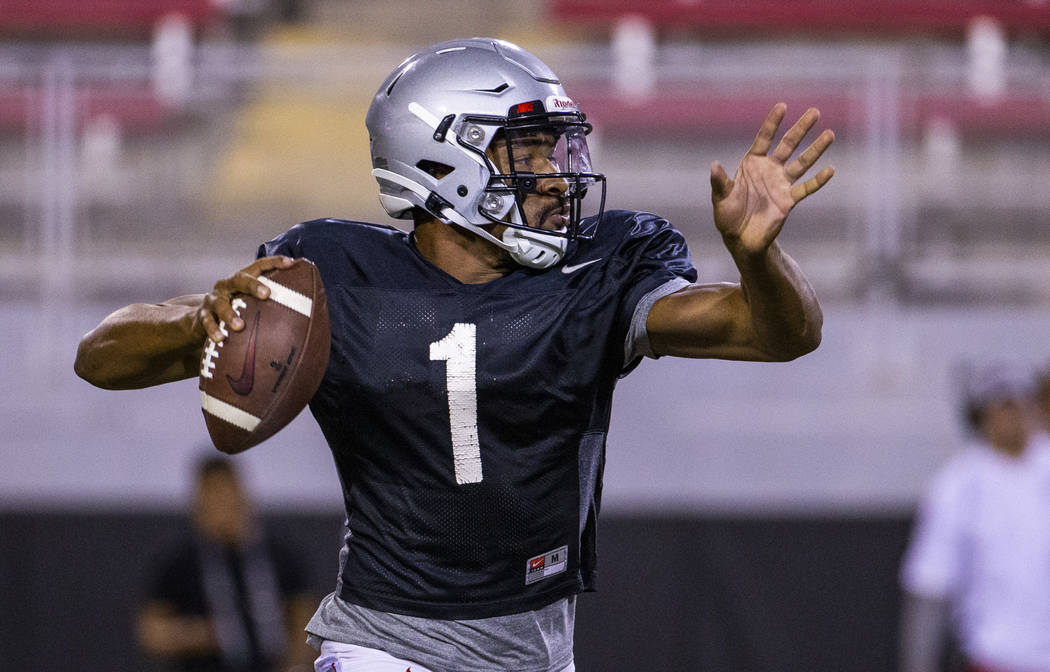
column 557, row 222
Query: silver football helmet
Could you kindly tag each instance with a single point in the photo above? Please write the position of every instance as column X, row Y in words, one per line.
column 433, row 121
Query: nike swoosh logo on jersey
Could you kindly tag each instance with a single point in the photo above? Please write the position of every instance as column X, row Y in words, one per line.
column 576, row 267
column 243, row 385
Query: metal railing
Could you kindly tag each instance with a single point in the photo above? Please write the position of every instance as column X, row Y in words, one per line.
column 104, row 155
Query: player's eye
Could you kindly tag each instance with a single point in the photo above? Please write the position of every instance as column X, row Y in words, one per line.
column 537, row 159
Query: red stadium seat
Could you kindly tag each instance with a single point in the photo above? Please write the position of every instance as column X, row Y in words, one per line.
column 877, row 18
column 135, row 106
column 125, row 18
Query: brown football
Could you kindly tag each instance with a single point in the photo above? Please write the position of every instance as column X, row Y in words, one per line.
column 258, row 379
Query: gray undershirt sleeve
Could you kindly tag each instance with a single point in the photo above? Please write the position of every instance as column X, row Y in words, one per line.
column 637, row 343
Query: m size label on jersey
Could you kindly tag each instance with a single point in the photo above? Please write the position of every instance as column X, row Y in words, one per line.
column 546, row 565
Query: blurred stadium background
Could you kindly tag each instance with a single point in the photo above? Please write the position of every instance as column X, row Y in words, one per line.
column 755, row 514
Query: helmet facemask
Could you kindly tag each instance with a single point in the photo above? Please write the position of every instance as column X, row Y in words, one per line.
column 542, row 154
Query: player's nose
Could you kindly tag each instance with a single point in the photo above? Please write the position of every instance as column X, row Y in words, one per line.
column 552, row 186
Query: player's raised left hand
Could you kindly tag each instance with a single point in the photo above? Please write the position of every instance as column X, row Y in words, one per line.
column 750, row 208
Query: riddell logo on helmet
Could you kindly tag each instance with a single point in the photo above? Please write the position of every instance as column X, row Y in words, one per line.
column 560, row 104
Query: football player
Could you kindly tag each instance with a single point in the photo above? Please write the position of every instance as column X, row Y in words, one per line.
column 473, row 360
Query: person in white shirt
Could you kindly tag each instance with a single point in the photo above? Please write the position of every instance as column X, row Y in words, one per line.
column 978, row 565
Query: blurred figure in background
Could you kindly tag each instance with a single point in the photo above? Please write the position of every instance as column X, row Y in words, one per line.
column 1042, row 396
column 225, row 599
column 978, row 567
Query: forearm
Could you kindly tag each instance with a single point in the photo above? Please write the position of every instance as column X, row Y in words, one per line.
column 164, row 634
column 784, row 313
column 924, row 625
column 142, row 345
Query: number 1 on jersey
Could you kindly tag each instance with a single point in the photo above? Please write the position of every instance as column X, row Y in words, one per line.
column 459, row 352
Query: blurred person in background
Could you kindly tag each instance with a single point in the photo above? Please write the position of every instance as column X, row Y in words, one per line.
column 468, row 394
column 1042, row 396
column 977, row 571
column 226, row 599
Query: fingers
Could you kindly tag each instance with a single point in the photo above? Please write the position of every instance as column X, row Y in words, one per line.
column 795, row 134
column 217, row 313
column 764, row 139
column 263, row 264
column 803, row 189
column 247, row 277
column 246, row 281
column 791, row 140
column 721, row 185
column 211, row 326
column 806, row 159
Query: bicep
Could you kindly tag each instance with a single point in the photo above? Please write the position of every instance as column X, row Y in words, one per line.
column 704, row 321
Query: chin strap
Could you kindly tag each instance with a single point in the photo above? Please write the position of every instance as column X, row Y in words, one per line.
column 534, row 248
column 528, row 247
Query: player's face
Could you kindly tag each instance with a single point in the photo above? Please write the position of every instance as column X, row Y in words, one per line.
column 535, row 152
column 1005, row 424
column 221, row 510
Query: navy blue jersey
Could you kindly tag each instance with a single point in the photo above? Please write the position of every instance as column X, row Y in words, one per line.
column 468, row 422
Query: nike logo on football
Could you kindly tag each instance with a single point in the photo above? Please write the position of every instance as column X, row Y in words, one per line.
column 576, row 267
column 243, row 385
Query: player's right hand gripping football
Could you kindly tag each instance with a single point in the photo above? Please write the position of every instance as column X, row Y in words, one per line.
column 217, row 305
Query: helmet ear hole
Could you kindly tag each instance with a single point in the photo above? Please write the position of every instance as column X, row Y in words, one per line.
column 493, row 205
column 435, row 169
